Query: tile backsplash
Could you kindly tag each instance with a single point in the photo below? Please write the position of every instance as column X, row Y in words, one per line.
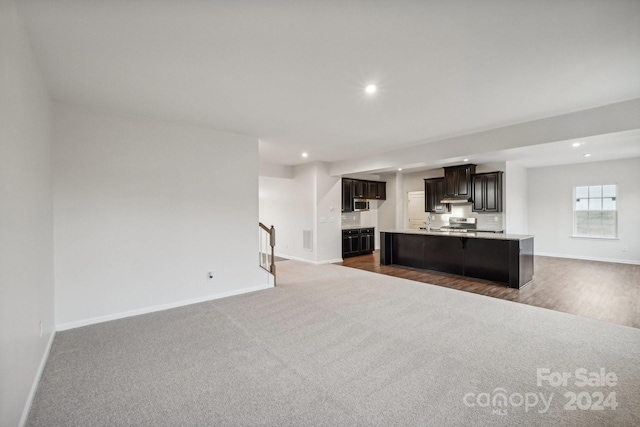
column 489, row 221
column 485, row 221
column 351, row 219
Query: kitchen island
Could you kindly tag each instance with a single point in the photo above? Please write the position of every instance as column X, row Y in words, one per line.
column 504, row 258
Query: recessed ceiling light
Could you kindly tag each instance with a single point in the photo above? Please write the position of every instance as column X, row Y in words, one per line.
column 399, row 169
column 577, row 144
column 466, row 160
column 370, row 89
column 305, row 154
column 588, row 155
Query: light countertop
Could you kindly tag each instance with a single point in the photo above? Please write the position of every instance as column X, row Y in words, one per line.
column 473, row 235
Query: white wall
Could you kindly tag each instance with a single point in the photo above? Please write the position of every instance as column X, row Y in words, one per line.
column 515, row 199
column 278, row 201
column 26, row 229
column 387, row 211
column 276, row 171
column 550, row 203
column 143, row 209
column 329, row 209
column 309, row 200
column 288, row 205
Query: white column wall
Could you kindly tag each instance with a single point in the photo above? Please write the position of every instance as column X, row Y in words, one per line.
column 328, row 213
column 387, row 210
column 515, row 199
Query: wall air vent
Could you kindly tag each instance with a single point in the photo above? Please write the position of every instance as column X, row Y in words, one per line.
column 307, row 240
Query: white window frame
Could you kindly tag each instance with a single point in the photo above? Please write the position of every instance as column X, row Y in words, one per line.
column 575, row 211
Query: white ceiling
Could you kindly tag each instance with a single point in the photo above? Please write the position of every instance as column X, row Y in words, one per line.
column 292, row 73
column 596, row 148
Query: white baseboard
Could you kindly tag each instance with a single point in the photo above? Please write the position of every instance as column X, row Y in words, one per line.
column 308, row 261
column 36, row 381
column 329, row 261
column 145, row 310
column 588, row 258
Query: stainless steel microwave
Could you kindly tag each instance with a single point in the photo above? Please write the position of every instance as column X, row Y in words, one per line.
column 360, row 205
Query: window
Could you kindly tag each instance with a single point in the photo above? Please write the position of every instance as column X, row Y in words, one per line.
column 595, row 212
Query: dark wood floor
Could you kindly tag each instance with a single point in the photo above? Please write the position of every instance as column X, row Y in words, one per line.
column 605, row 291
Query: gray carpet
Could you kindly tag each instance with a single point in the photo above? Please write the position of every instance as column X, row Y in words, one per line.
column 337, row 346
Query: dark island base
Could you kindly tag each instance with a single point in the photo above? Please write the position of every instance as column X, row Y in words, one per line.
column 499, row 260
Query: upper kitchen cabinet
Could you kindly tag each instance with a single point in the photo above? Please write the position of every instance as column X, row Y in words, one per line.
column 457, row 181
column 377, row 190
column 360, row 189
column 487, row 192
column 347, row 195
column 433, row 194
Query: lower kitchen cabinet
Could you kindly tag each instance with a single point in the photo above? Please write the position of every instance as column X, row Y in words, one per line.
column 506, row 259
column 350, row 243
column 435, row 253
column 444, row 254
column 480, row 259
column 367, row 241
column 409, row 251
column 358, row 241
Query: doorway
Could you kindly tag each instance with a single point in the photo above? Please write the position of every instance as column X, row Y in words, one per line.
column 415, row 209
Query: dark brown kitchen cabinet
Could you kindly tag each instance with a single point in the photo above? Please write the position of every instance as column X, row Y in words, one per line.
column 457, row 181
column 487, row 192
column 367, row 240
column 347, row 195
column 360, row 189
column 480, row 256
column 442, row 253
column 350, row 243
column 433, row 194
column 507, row 260
column 408, row 250
column 358, row 241
column 377, row 190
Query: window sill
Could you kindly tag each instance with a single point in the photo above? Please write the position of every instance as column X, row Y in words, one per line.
column 594, row 238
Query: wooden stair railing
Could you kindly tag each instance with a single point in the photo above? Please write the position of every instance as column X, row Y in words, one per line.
column 267, row 257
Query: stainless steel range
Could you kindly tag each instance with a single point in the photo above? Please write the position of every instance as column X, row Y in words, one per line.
column 460, row 224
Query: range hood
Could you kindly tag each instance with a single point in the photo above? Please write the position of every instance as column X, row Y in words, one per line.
column 456, row 199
